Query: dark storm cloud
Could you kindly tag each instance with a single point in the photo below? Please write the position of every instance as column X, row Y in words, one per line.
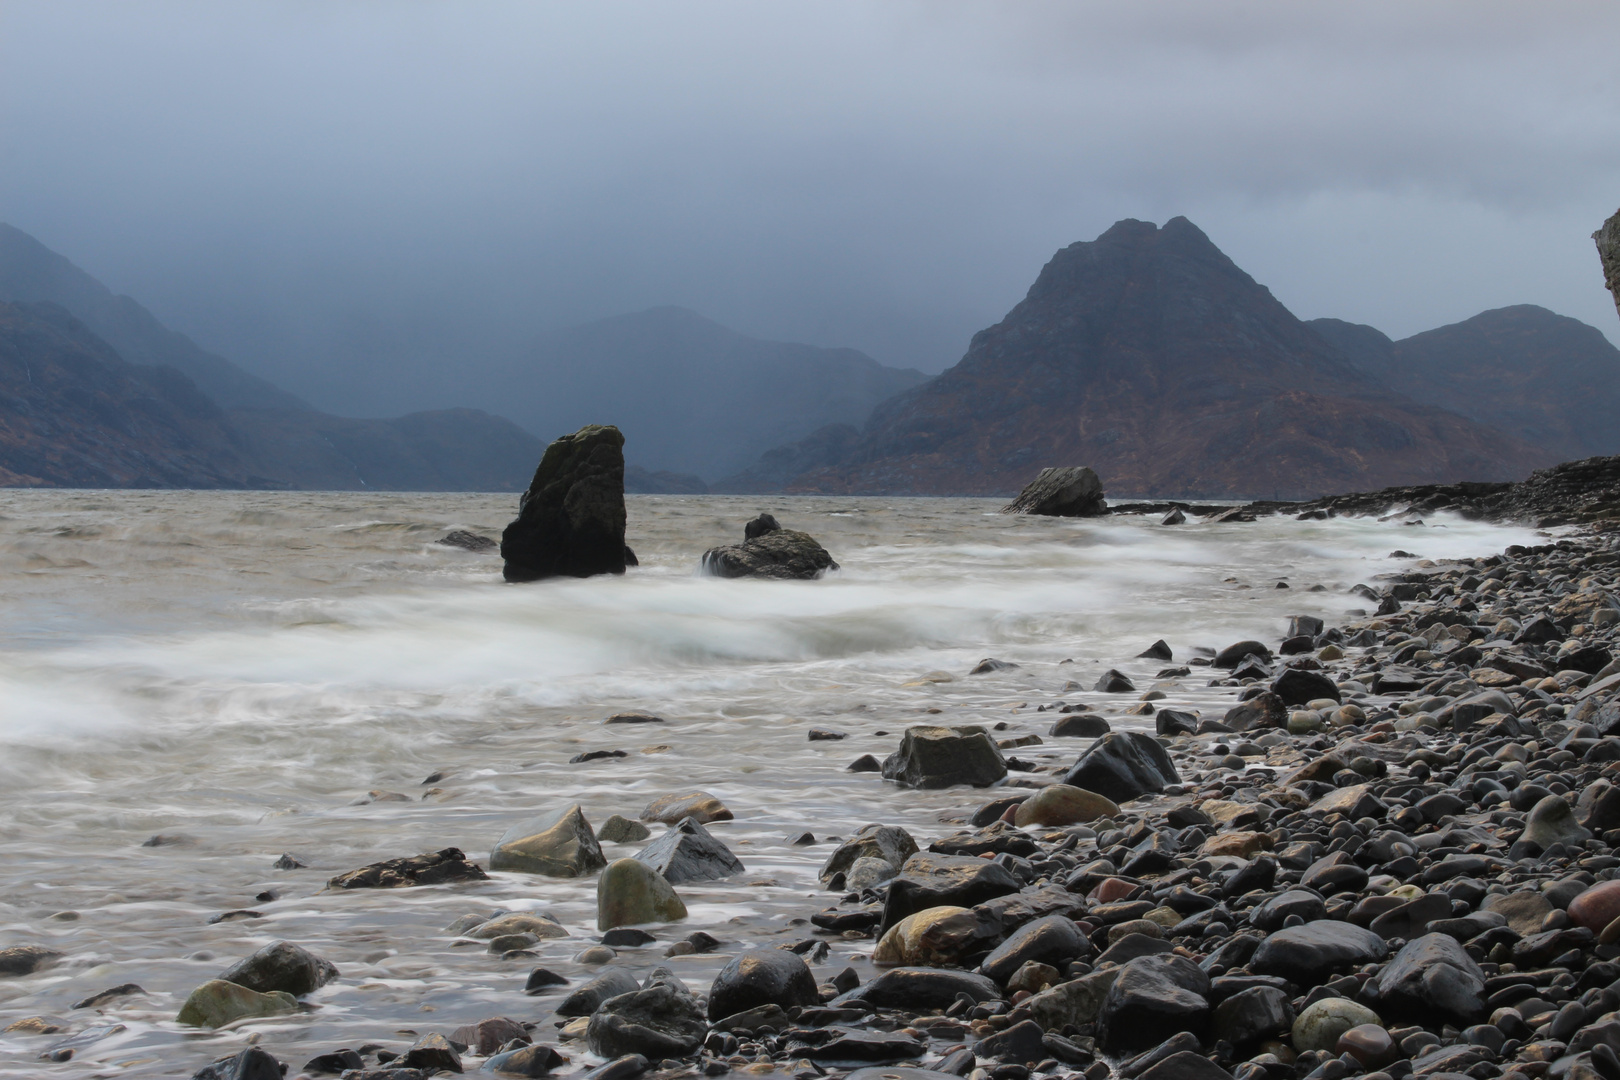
column 358, row 199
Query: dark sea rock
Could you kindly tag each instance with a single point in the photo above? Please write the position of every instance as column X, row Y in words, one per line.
column 1122, row 765
column 1434, row 978
column 887, row 842
column 26, row 959
column 1607, row 239
column 662, row 1021
column 586, row 999
column 281, row 965
column 689, row 852
column 571, row 520
column 1297, row 687
column 937, row 757
column 467, row 541
column 431, row 868
column 921, row 988
column 1073, row 491
column 250, row 1064
column 762, row 977
column 1079, row 726
column 1154, row 996
column 1052, row 940
column 1309, row 954
column 780, row 554
column 764, row 523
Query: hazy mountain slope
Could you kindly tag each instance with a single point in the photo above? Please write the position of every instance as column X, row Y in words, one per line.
column 690, row 395
column 1547, row 379
column 1150, row 356
column 73, row 413
column 30, row 271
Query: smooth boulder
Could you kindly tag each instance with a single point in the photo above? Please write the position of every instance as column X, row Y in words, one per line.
column 571, row 519
column 937, row 757
column 1060, row 804
column 1123, row 765
column 283, row 966
column 700, row 806
column 216, row 1003
column 934, row 937
column 1064, row 491
column 1309, row 954
column 1053, row 940
column 762, row 977
column 631, row 892
column 1434, row 978
column 559, row 844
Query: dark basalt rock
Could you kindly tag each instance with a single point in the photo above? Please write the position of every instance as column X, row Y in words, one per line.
column 781, row 554
column 1053, row 940
column 467, row 541
column 887, row 842
column 432, row 1052
column 1074, row 491
column 1251, row 1015
column 1309, row 954
column 1154, row 996
column 1433, row 978
column 936, row 757
column 1296, row 687
column 281, row 965
column 1233, row 655
column 662, row 1021
column 689, row 852
column 761, row 525
column 1080, row 726
column 762, row 977
column 588, row 998
column 919, row 988
column 250, row 1064
column 1122, row 765
column 431, row 868
column 1607, row 239
column 570, row 521
column 488, row 1036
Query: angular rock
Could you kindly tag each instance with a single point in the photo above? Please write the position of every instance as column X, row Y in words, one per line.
column 1060, row 804
column 1063, row 491
column 689, row 852
column 283, row 966
column 1153, row 997
column 1020, row 1043
column 250, row 1064
column 1309, row 954
column 1185, row 1065
column 1053, row 940
column 850, row 1046
column 488, row 1036
column 1552, row 821
column 216, row 1003
column 887, row 842
column 430, row 868
column 762, row 977
column 937, row 757
column 431, row 1053
column 1433, row 978
column 1114, row 682
column 698, row 805
column 928, row 880
column 559, row 844
column 631, row 892
column 1074, row 1002
column 1248, row 1016
column 571, row 519
column 662, row 1021
column 783, row 555
column 1123, row 765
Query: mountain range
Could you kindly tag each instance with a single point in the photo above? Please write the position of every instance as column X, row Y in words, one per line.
column 1146, row 353
column 1152, row 357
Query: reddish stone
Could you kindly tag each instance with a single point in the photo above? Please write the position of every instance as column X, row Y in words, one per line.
column 1110, row 890
column 1597, row 907
column 1369, row 1044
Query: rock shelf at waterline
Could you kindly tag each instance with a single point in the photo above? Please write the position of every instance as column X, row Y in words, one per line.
column 1051, row 927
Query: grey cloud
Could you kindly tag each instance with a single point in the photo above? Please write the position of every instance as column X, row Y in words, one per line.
column 359, row 200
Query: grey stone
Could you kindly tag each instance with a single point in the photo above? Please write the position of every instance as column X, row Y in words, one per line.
column 1072, row 491
column 1123, row 765
column 689, row 852
column 783, row 555
column 1309, row 954
column 887, row 842
column 662, row 1021
column 1433, row 977
column 937, row 757
column 283, row 966
column 1153, row 997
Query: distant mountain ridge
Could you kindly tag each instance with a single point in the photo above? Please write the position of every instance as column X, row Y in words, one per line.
column 96, row 392
column 1544, row 378
column 1150, row 356
column 691, row 396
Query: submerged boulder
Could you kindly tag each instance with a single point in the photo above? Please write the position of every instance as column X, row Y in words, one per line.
column 631, row 892
column 216, row 1003
column 762, row 977
column 1061, row 492
column 936, row 757
column 770, row 551
column 570, row 521
column 283, row 966
column 559, row 844
column 661, row 1021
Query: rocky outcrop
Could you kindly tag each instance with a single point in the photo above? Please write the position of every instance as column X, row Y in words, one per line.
column 570, row 522
column 1608, row 244
column 770, row 551
column 1061, row 492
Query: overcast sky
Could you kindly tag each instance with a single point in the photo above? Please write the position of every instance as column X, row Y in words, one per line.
column 356, row 198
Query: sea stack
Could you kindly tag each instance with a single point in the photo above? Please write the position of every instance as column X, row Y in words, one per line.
column 1608, row 245
column 570, row 522
column 1065, row 492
